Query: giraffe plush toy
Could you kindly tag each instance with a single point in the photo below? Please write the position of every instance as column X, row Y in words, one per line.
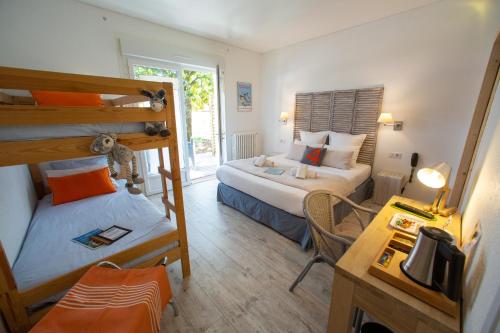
column 157, row 103
column 106, row 144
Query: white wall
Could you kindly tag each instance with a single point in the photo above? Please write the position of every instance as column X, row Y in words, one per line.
column 431, row 61
column 482, row 203
column 17, row 202
column 69, row 36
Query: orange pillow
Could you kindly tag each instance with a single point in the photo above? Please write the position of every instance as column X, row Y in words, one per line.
column 59, row 98
column 80, row 186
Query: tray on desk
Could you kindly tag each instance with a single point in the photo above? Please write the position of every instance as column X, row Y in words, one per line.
column 386, row 267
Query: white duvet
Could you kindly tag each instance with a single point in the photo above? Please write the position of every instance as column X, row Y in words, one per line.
column 48, row 250
column 282, row 196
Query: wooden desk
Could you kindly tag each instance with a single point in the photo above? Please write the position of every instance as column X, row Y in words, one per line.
column 354, row 287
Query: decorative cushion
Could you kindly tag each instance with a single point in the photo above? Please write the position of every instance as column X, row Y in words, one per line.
column 313, row 156
column 81, row 185
column 59, row 98
column 340, row 159
column 313, row 137
column 296, row 151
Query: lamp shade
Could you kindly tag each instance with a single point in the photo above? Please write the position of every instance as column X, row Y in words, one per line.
column 284, row 116
column 385, row 118
column 435, row 177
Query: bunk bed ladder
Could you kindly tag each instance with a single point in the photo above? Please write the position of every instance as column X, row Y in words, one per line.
column 175, row 176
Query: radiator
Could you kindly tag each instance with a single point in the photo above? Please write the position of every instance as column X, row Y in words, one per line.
column 244, row 145
column 387, row 184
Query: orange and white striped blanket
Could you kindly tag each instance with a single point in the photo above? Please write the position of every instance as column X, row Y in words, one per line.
column 111, row 300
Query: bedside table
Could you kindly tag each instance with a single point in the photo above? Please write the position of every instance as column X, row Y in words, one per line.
column 387, row 184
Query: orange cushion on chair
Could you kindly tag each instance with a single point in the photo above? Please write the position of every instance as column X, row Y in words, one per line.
column 80, row 186
column 59, row 98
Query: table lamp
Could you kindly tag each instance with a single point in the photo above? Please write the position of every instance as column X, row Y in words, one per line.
column 437, row 177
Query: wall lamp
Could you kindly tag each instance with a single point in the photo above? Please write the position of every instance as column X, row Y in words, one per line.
column 284, row 118
column 386, row 119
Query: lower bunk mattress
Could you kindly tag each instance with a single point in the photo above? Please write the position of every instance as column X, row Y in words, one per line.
column 49, row 250
column 291, row 226
column 35, row 132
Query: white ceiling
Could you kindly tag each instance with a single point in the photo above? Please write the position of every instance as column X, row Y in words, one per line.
column 259, row 25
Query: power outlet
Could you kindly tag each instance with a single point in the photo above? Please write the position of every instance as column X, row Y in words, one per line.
column 396, row 155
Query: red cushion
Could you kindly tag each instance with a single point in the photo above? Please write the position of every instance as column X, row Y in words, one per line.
column 313, row 156
column 59, row 98
column 80, row 186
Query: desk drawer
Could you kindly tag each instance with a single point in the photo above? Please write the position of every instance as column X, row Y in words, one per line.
column 394, row 314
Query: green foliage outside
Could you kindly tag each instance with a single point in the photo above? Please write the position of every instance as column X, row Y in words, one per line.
column 198, row 89
column 151, row 71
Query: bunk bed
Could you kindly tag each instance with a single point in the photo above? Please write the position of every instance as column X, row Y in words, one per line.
column 20, row 306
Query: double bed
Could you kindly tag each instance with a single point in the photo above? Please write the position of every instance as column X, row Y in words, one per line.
column 279, row 205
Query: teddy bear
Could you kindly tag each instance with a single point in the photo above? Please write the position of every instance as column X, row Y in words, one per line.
column 106, row 144
column 157, row 103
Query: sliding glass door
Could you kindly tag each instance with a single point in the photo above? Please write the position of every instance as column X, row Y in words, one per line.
column 197, row 120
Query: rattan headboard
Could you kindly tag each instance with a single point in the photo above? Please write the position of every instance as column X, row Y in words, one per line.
column 347, row 111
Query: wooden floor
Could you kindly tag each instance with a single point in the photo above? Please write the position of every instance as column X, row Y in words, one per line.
column 240, row 274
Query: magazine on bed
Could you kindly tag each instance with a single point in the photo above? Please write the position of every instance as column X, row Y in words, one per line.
column 87, row 241
column 98, row 237
column 274, row 171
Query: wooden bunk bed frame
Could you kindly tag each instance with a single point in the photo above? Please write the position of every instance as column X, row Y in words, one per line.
column 20, row 111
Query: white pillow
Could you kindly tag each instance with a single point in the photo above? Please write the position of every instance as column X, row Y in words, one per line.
column 314, row 145
column 69, row 172
column 340, row 159
column 296, row 151
column 344, row 140
column 310, row 138
column 354, row 149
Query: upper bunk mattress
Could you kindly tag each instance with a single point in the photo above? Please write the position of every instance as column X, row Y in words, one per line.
column 15, row 133
column 282, row 196
column 48, row 250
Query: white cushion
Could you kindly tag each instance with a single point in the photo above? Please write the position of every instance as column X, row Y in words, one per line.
column 314, row 145
column 340, row 159
column 310, row 138
column 69, row 172
column 344, row 140
column 354, row 149
column 296, row 151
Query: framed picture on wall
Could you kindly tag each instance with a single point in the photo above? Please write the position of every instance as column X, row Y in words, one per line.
column 244, row 97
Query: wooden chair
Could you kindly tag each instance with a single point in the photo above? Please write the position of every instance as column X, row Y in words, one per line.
column 331, row 239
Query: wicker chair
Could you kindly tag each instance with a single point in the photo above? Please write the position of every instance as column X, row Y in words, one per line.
column 331, row 239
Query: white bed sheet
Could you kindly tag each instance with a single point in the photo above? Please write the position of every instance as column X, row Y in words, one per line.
column 48, row 250
column 15, row 133
column 283, row 196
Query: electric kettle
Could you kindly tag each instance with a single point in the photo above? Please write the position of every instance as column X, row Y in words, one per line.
column 435, row 263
